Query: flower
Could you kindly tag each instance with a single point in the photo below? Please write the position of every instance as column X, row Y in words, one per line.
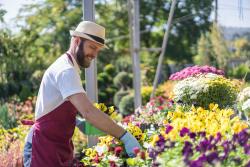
column 118, row 150
column 184, row 131
column 168, row 128
column 136, row 150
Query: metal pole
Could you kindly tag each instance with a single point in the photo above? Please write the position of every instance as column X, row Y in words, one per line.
column 164, row 45
column 134, row 25
column 216, row 11
column 91, row 72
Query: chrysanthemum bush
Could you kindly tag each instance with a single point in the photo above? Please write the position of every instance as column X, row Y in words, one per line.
column 197, row 137
column 195, row 70
column 204, row 89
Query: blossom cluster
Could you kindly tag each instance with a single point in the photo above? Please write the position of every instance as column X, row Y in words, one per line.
column 109, row 111
column 192, row 138
column 201, row 149
column 204, row 89
column 195, row 70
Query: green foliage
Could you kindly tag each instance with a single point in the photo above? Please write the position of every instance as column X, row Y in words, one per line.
column 2, row 13
column 242, row 47
column 106, row 89
column 212, row 49
column 241, row 72
column 110, row 69
column 126, row 105
column 118, row 96
column 124, row 64
column 123, row 80
column 205, row 89
column 7, row 121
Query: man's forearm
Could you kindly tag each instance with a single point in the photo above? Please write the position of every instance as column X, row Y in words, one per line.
column 103, row 122
column 96, row 117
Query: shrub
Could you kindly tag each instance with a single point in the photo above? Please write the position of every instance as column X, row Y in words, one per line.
column 240, row 72
column 205, row 89
column 126, row 106
column 118, row 96
column 7, row 120
column 109, row 69
column 123, row 80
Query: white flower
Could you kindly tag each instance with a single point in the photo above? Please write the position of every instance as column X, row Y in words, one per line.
column 101, row 149
column 246, row 105
column 113, row 158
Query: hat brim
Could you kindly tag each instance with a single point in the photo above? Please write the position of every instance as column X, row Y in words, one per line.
column 82, row 35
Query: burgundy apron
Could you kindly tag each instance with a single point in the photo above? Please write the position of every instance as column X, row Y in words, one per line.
column 52, row 137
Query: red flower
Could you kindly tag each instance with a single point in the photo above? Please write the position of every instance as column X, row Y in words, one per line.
column 118, row 150
column 112, row 164
column 142, row 155
column 136, row 150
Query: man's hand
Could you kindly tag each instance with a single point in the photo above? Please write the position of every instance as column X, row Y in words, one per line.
column 130, row 143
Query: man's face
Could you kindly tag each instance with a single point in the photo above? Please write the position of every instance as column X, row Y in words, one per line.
column 86, row 52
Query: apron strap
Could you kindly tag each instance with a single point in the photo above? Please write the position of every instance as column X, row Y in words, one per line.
column 70, row 58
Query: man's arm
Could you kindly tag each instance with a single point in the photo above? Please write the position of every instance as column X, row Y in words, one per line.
column 96, row 117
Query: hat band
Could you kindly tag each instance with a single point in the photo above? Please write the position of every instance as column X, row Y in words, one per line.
column 96, row 38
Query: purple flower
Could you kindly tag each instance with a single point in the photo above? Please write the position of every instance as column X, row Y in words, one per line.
column 247, row 149
column 202, row 134
column 192, row 135
column 168, row 128
column 204, row 145
column 218, row 137
column 184, row 131
column 152, row 153
column 196, row 163
column 187, row 149
column 243, row 137
column 212, row 157
column 161, row 142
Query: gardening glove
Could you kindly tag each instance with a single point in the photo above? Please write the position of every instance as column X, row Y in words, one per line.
column 130, row 143
column 80, row 123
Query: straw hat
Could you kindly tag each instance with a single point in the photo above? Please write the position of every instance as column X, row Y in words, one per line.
column 91, row 31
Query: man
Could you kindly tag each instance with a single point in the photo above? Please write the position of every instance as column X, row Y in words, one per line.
column 61, row 95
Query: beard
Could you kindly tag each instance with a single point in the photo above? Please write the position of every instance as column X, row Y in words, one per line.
column 82, row 60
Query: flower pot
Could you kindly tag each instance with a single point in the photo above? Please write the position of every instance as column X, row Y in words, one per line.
column 91, row 130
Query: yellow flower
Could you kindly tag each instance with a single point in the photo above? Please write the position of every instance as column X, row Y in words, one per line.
column 103, row 107
column 239, row 126
column 107, row 140
column 213, row 106
column 154, row 139
column 111, row 110
column 90, row 152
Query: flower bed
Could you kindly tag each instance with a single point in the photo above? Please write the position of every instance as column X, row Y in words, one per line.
column 194, row 137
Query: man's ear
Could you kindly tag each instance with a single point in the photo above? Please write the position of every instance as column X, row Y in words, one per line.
column 77, row 40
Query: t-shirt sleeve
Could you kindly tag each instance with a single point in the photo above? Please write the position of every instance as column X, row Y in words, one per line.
column 69, row 83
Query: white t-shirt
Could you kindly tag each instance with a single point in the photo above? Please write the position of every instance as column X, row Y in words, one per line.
column 59, row 81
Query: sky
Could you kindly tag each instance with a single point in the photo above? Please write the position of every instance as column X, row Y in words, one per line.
column 229, row 12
